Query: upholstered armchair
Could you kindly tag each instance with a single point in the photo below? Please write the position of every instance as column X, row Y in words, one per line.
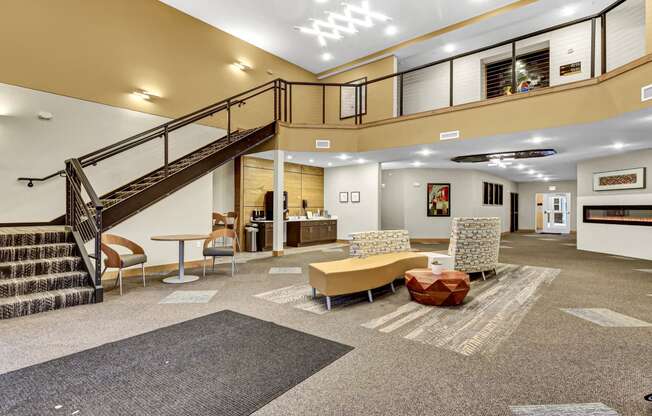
column 475, row 244
column 210, row 250
column 122, row 261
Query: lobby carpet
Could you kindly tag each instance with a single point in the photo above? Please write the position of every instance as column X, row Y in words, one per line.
column 224, row 363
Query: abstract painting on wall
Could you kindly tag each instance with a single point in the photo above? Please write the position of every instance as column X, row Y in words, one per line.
column 439, row 199
column 619, row 179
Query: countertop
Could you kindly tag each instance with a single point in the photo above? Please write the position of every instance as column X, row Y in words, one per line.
column 332, row 218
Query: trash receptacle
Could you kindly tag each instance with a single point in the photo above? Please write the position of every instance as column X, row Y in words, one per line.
column 251, row 231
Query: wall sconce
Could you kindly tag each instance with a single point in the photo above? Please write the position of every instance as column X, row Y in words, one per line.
column 143, row 95
column 241, row 66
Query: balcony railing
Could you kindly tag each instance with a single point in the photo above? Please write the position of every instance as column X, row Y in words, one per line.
column 575, row 51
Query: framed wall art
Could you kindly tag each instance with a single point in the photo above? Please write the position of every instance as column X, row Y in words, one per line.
column 344, row 197
column 619, row 179
column 355, row 197
column 439, row 198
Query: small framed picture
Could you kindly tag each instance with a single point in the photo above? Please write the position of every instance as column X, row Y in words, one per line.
column 344, row 197
column 355, row 197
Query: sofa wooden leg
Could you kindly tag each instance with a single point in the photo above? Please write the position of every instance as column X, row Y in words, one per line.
column 314, row 293
column 370, row 296
column 393, row 288
column 328, row 303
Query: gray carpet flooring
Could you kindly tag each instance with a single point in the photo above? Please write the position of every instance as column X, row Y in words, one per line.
column 551, row 361
column 225, row 363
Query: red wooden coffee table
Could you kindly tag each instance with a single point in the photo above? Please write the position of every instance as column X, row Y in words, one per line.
column 448, row 288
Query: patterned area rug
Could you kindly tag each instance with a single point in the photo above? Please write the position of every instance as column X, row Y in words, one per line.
column 490, row 313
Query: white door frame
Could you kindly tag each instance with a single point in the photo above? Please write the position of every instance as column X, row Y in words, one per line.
column 556, row 203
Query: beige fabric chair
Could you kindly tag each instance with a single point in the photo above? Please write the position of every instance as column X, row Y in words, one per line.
column 475, row 244
column 122, row 261
column 210, row 250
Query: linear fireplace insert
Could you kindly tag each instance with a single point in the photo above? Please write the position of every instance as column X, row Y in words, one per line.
column 619, row 214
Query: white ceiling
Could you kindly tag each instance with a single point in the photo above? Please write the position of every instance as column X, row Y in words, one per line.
column 269, row 24
column 573, row 144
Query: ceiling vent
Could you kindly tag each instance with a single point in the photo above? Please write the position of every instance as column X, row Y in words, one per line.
column 449, row 135
column 646, row 93
column 322, row 144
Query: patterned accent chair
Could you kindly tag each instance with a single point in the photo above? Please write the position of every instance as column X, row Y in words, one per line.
column 475, row 244
column 370, row 243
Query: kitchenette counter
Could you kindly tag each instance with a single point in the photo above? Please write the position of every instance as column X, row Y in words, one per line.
column 299, row 231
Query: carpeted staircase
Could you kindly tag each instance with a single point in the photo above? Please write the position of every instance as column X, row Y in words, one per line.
column 40, row 270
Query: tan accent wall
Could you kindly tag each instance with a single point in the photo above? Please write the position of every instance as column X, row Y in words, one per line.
column 102, row 50
column 611, row 95
column 255, row 176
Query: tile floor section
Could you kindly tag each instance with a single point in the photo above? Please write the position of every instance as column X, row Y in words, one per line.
column 189, row 296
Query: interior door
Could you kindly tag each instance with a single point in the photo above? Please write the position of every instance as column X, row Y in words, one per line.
column 556, row 214
column 513, row 212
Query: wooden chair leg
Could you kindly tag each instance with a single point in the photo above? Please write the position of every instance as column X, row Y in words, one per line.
column 142, row 268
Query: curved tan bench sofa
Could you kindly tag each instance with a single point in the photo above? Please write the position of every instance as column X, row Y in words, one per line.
column 367, row 270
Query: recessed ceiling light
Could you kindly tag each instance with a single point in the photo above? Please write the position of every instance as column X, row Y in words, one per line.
column 330, row 163
column 326, row 56
column 290, row 157
column 520, row 166
column 311, row 160
column 391, row 30
column 618, row 145
column 531, row 172
column 539, row 175
column 568, row 11
column 321, row 1
column 546, row 179
column 360, row 160
column 416, row 164
column 344, row 156
column 425, row 152
column 536, row 140
column 449, row 48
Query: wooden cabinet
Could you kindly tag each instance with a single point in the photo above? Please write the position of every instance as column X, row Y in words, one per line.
column 265, row 236
column 303, row 233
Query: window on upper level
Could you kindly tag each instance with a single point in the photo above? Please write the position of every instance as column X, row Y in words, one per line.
column 532, row 72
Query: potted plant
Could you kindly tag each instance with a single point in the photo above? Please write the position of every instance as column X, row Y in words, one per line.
column 436, row 267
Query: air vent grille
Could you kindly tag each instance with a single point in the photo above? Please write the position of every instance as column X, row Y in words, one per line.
column 322, row 144
column 646, row 93
column 449, row 135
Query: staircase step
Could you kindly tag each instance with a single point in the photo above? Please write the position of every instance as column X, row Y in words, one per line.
column 35, row 238
column 43, row 283
column 32, row 252
column 16, row 306
column 27, row 268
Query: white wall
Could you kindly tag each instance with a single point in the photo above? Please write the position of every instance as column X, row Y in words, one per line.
column 625, row 240
column 224, row 188
column 527, row 201
column 363, row 216
column 428, row 89
column 404, row 199
column 32, row 147
column 187, row 211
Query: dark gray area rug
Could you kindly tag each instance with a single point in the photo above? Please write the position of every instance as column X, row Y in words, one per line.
column 225, row 363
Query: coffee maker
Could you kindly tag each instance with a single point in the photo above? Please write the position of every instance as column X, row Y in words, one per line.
column 269, row 205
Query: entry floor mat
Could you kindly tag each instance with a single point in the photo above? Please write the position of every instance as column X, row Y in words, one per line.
column 225, row 363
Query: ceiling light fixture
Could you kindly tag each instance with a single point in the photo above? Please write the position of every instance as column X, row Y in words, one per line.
column 391, row 30
column 449, row 48
column 568, row 11
column 539, row 175
column 618, row 145
column 330, row 163
column 520, row 166
column 416, row 164
column 536, row 140
column 531, row 172
column 311, row 160
column 326, row 56
column 290, row 157
column 344, row 22
column 361, row 161
column 143, row 95
column 344, row 156
column 425, row 152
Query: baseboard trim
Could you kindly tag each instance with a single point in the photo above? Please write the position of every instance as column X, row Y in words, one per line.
column 430, row 240
column 277, row 253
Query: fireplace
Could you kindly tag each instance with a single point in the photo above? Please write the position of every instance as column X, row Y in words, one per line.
column 619, row 214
